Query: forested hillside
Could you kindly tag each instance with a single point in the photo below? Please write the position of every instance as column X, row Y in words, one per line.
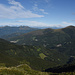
column 61, row 40
column 47, row 50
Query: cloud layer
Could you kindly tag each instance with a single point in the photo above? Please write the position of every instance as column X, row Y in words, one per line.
column 16, row 10
column 31, row 24
column 37, row 24
column 67, row 23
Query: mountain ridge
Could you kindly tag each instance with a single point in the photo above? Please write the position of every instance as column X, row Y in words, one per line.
column 8, row 30
column 57, row 34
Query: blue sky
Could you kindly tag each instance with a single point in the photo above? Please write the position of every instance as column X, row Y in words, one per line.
column 37, row 13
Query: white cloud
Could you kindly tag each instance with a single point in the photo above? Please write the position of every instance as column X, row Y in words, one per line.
column 16, row 10
column 35, row 8
column 43, row 11
column 30, row 24
column 13, row 2
column 33, row 23
column 11, row 24
column 37, row 24
column 67, row 23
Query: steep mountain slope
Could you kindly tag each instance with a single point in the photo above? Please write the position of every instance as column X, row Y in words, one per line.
column 37, row 56
column 60, row 40
column 70, row 30
column 20, row 56
column 47, row 37
column 14, row 31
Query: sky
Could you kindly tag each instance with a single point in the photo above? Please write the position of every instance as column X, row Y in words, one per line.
column 37, row 13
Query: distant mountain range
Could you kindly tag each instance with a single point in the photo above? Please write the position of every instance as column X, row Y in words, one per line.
column 15, row 31
column 7, row 32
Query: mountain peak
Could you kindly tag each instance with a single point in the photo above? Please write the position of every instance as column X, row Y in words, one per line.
column 71, row 26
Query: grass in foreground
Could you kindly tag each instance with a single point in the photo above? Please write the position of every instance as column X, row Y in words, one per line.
column 24, row 69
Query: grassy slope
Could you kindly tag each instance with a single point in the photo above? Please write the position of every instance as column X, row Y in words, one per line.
column 20, row 70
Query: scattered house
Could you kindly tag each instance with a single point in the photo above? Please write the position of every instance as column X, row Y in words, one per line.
column 59, row 45
column 14, row 41
column 36, row 39
column 44, row 45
